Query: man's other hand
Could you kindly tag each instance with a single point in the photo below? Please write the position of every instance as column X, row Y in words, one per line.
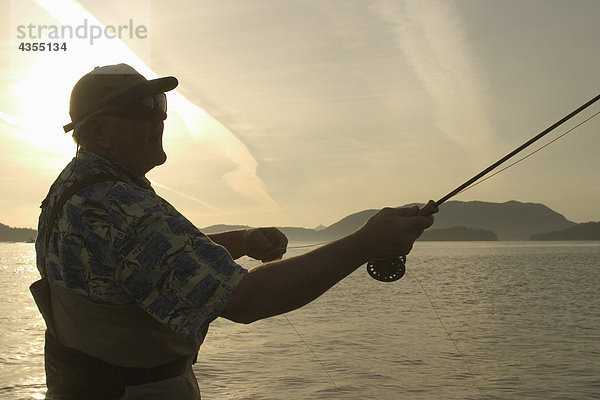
column 265, row 244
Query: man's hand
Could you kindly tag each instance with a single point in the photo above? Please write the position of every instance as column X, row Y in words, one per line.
column 264, row 244
column 392, row 231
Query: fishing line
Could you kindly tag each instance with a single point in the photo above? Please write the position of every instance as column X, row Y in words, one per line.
column 529, row 155
column 437, row 314
column 315, row 356
column 516, row 151
column 304, row 246
column 447, row 332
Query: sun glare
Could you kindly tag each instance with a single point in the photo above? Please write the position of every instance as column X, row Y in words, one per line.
column 43, row 83
column 41, row 113
column 43, row 80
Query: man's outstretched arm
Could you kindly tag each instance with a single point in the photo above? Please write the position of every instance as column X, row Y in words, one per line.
column 286, row 285
column 265, row 244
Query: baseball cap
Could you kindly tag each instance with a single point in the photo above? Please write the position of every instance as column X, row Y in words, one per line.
column 105, row 84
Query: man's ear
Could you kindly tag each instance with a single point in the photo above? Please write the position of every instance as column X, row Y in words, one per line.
column 98, row 133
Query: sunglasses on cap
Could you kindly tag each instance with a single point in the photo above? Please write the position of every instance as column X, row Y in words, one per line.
column 147, row 109
column 150, row 108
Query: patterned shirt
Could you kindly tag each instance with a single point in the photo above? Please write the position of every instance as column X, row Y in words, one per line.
column 118, row 242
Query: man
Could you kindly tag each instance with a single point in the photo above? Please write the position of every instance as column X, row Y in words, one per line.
column 129, row 285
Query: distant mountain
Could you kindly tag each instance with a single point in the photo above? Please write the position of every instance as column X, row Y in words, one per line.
column 585, row 231
column 512, row 220
column 456, row 233
column 346, row 225
column 222, row 228
column 9, row 234
column 305, row 235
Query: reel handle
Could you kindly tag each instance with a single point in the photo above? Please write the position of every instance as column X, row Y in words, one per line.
column 392, row 269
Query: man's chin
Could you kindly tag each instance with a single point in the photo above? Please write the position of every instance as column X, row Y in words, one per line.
column 156, row 161
column 162, row 158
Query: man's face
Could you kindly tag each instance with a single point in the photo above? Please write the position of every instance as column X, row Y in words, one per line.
column 137, row 144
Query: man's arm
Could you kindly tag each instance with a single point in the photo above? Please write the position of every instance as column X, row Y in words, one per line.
column 286, row 285
column 231, row 240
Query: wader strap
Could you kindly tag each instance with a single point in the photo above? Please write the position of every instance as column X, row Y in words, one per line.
column 75, row 188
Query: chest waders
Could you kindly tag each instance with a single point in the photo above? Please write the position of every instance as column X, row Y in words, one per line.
column 73, row 374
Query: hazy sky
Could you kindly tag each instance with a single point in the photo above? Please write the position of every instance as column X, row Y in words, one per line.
column 301, row 112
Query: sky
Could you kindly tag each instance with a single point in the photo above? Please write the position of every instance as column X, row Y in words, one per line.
column 300, row 112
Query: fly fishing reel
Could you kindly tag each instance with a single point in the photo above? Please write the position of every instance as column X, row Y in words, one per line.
column 392, row 269
column 387, row 270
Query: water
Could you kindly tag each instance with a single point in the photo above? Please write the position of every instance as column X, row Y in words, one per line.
column 525, row 316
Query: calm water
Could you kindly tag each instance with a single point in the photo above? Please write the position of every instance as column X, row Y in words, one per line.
column 524, row 315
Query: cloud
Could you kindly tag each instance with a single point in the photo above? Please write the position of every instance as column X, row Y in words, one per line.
column 431, row 35
column 240, row 173
column 207, row 130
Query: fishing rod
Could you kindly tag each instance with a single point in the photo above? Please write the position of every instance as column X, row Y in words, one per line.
column 392, row 269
